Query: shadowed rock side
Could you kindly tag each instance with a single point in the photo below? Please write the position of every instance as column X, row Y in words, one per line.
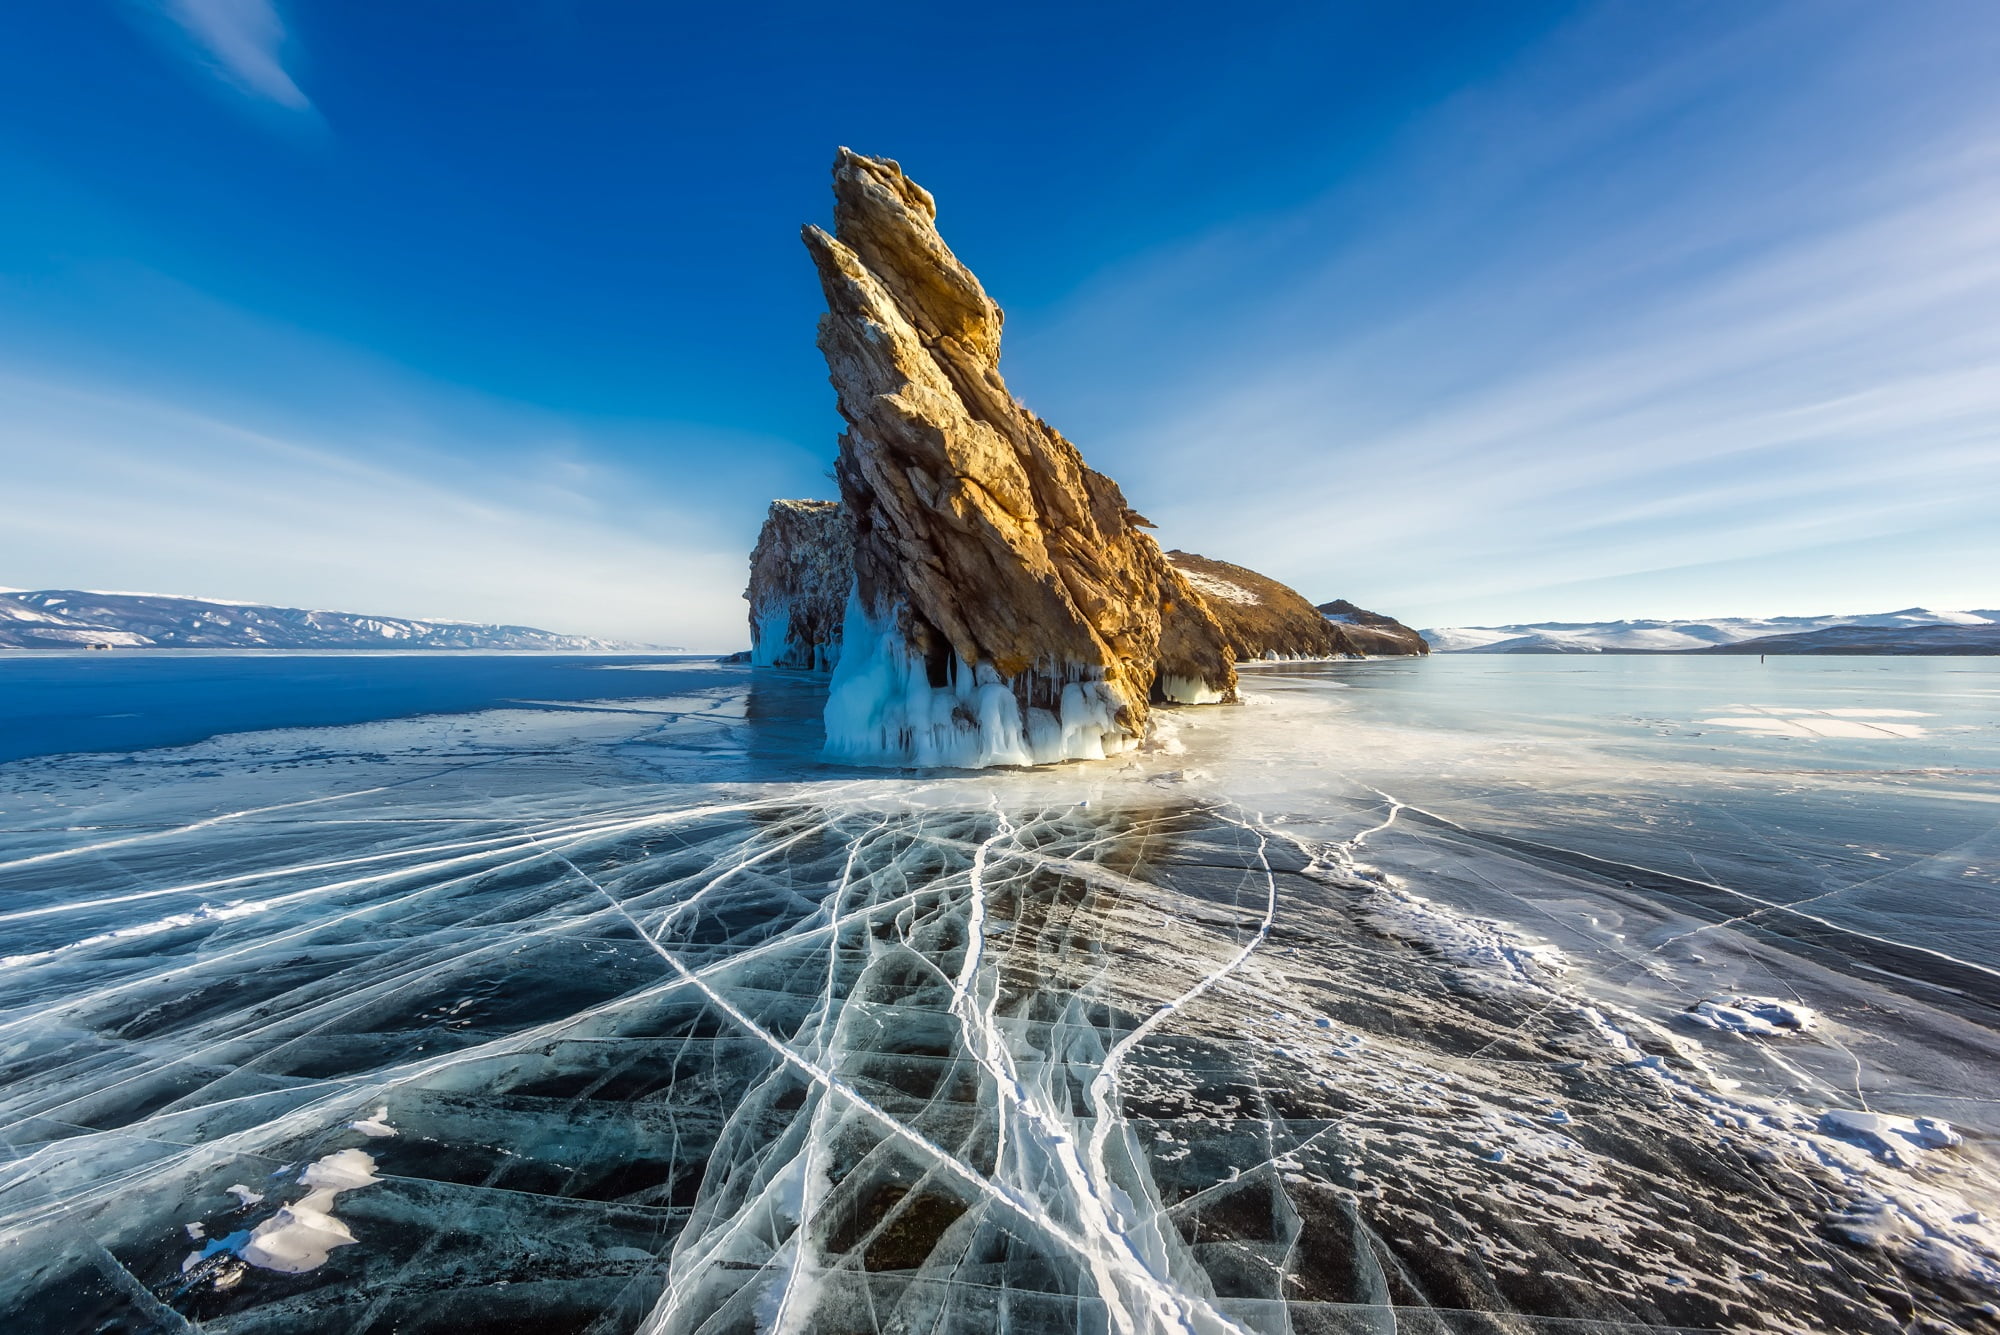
column 1265, row 619
column 1007, row 609
column 800, row 573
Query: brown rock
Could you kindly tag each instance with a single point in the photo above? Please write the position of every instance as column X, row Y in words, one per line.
column 1371, row 632
column 800, row 573
column 1014, row 610
column 1265, row 619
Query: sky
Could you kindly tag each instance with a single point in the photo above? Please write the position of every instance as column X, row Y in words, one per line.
column 1469, row 313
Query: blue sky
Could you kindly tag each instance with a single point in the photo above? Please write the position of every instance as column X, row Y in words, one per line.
column 495, row 309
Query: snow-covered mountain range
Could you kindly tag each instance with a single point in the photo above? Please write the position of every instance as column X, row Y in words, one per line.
column 1981, row 627
column 78, row 618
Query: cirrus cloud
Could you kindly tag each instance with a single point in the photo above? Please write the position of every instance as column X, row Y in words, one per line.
column 242, row 43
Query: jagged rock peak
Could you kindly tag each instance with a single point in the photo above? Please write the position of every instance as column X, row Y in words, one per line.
column 800, row 573
column 889, row 221
column 1007, row 606
column 1264, row 619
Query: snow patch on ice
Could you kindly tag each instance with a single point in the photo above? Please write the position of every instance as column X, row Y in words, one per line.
column 1163, row 737
column 378, row 1125
column 299, row 1236
column 1892, row 1139
column 296, row 1239
column 1768, row 1016
column 1873, row 1157
column 1490, row 955
column 1864, row 724
column 1892, row 1194
column 1880, row 1221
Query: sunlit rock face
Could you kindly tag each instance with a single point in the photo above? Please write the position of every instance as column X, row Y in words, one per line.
column 1265, row 619
column 800, row 573
column 1007, row 607
column 1371, row 632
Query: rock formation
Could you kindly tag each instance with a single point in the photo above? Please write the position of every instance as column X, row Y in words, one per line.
column 799, row 577
column 1371, row 632
column 1261, row 617
column 1007, row 606
column 1265, row 619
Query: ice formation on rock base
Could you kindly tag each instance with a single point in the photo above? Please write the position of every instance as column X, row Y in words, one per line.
column 800, row 573
column 883, row 705
column 989, row 560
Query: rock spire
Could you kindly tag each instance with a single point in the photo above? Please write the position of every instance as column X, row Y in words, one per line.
column 1008, row 606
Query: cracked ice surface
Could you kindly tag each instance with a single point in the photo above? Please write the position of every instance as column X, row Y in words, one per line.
column 635, row 1019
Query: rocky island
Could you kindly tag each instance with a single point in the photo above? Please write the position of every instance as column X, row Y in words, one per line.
column 981, row 595
column 1268, row 620
column 800, row 572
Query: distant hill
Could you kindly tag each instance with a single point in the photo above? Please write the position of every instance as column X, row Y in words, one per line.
column 1920, row 630
column 1265, row 620
column 77, row 618
column 1939, row 639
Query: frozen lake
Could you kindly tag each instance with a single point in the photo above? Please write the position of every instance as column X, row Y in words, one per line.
column 58, row 703
column 347, row 993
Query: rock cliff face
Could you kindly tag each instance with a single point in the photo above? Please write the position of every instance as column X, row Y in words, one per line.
column 800, row 573
column 1007, row 607
column 1371, row 632
column 1265, row 619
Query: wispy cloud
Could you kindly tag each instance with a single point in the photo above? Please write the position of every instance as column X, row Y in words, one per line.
column 241, row 42
column 111, row 489
column 211, row 450
column 1658, row 357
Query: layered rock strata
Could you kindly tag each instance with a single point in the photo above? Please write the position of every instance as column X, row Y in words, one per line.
column 1264, row 619
column 1007, row 606
column 800, row 574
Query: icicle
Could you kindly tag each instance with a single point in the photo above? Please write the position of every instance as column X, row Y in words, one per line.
column 883, row 710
